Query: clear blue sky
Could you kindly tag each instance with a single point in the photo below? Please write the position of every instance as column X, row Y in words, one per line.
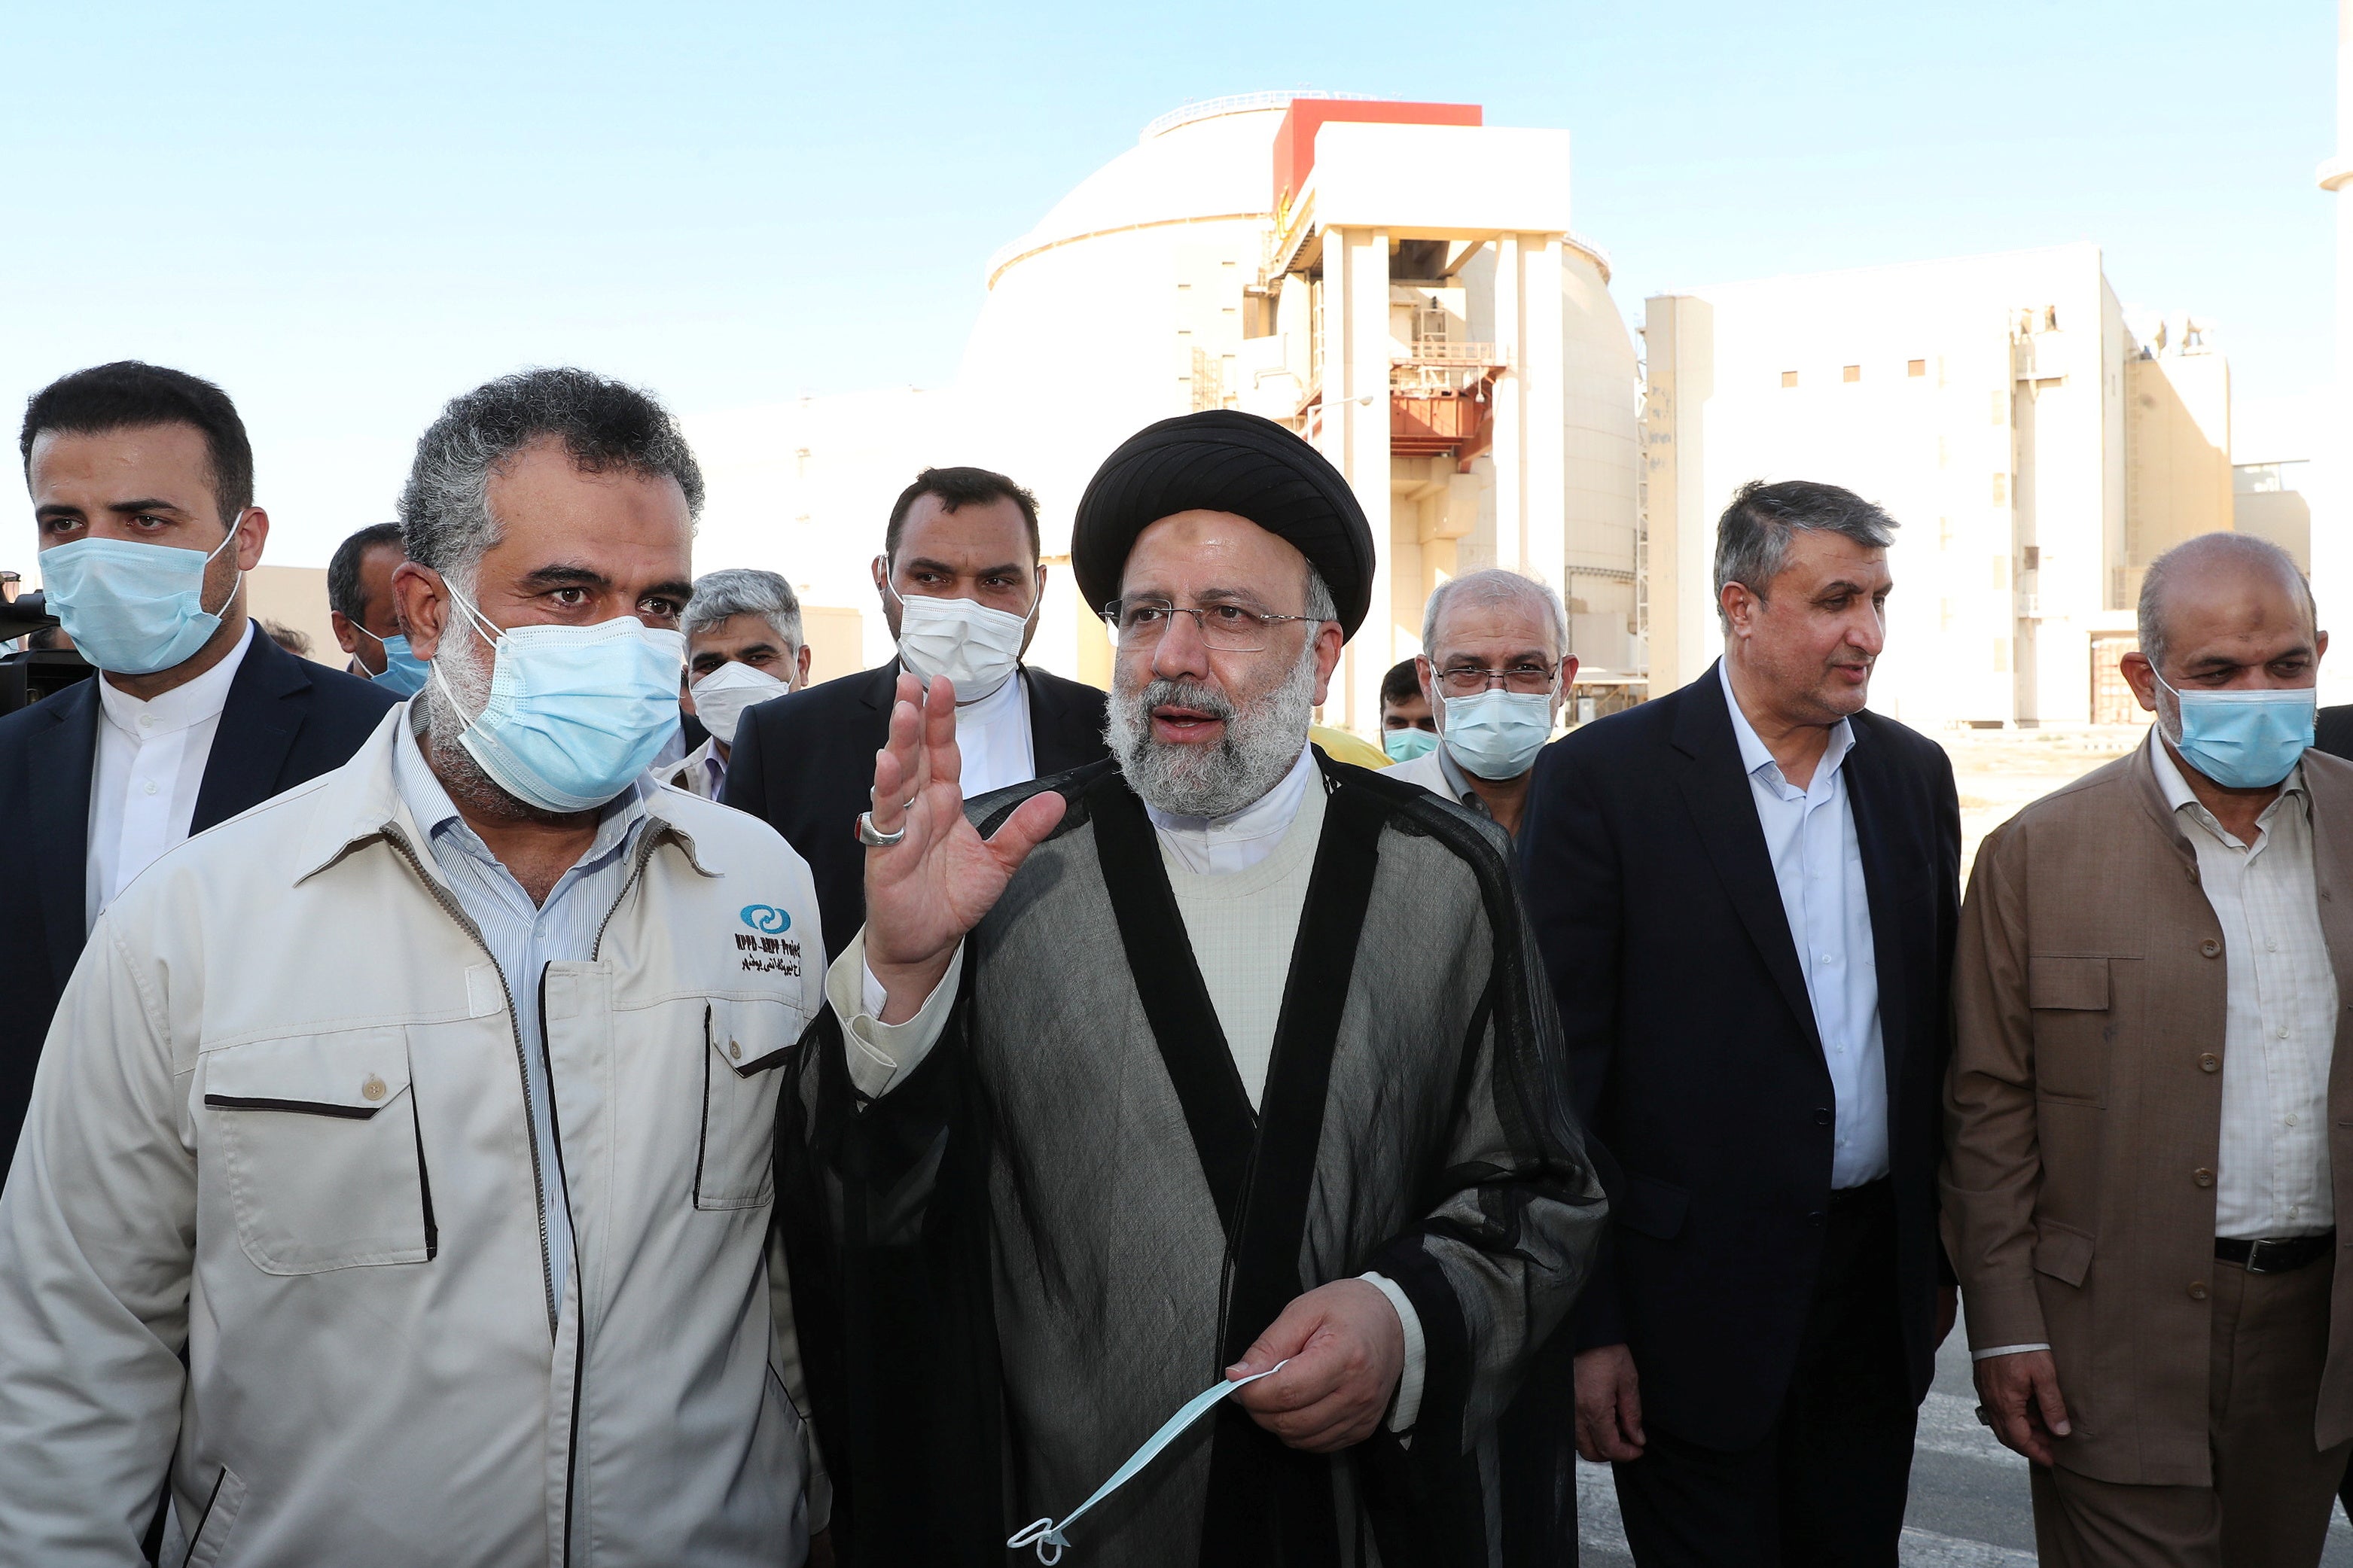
column 347, row 214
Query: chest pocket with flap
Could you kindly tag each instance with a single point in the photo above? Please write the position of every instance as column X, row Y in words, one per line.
column 744, row 1042
column 322, row 1155
column 2073, row 996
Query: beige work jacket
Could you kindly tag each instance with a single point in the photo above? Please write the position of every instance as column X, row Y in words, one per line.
column 280, row 1126
column 2083, row 1111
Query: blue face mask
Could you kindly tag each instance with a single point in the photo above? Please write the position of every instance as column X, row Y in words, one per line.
column 1497, row 734
column 403, row 671
column 133, row 608
column 1404, row 745
column 574, row 712
column 2245, row 739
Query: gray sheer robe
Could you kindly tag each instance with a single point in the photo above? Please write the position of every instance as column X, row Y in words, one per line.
column 1068, row 1220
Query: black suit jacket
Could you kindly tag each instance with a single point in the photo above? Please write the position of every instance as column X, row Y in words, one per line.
column 287, row 720
column 2333, row 730
column 1693, row 1050
column 804, row 764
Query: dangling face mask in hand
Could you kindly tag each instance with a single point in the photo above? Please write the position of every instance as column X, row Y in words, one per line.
column 574, row 712
column 1497, row 734
column 721, row 696
column 403, row 672
column 2245, row 739
column 976, row 648
column 133, row 608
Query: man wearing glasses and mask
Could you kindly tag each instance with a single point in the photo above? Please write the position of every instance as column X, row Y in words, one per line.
column 1494, row 667
column 1213, row 1058
column 960, row 580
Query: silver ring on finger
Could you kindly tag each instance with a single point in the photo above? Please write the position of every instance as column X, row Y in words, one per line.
column 874, row 838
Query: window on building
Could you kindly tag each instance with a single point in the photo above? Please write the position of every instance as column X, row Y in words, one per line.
column 1789, row 378
column 1915, row 367
column 1851, row 373
column 2032, row 554
column 2000, row 573
column 2002, row 490
column 2001, row 656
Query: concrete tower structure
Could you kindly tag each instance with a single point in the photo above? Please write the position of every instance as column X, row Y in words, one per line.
column 2332, row 523
column 1396, row 281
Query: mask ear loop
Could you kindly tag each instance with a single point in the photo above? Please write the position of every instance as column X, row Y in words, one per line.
column 235, row 523
column 476, row 620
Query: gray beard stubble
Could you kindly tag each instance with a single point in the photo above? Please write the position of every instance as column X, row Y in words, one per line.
column 1263, row 735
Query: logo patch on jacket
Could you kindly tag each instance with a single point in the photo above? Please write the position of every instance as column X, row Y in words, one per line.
column 767, row 918
column 770, row 952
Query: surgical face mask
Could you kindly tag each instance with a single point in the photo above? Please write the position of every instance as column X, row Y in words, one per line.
column 574, row 712
column 133, row 608
column 975, row 647
column 1497, row 734
column 403, row 672
column 1405, row 745
column 2245, row 739
column 721, row 696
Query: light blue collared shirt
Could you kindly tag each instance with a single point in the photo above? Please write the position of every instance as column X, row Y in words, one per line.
column 1818, row 864
column 524, row 939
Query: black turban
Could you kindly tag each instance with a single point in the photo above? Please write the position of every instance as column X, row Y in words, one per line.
column 1224, row 460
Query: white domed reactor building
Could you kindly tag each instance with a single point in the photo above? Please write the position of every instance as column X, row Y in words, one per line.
column 1399, row 283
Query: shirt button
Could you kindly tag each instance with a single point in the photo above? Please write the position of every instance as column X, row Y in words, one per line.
column 2210, row 1062
column 151, row 786
column 2283, row 1034
column 735, row 1051
column 147, row 720
column 2271, row 947
column 372, row 1088
column 2291, row 1122
column 2203, row 1177
column 2209, row 947
column 2198, row 1289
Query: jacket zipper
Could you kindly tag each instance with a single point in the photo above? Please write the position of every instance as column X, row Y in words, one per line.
column 523, row 1067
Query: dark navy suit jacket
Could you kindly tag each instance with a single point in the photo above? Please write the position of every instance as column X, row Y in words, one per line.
column 287, row 721
column 1694, row 1061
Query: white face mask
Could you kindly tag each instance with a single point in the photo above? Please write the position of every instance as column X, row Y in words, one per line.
column 721, row 696
column 1497, row 734
column 975, row 647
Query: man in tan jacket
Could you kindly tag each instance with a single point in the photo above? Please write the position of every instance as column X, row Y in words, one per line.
column 2148, row 1113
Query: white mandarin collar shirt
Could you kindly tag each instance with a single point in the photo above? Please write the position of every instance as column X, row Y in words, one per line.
column 1817, row 866
column 993, row 738
column 1217, row 846
column 148, row 768
column 2279, row 1029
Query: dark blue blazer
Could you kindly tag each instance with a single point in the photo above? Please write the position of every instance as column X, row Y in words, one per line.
column 287, row 720
column 804, row 764
column 1694, row 1061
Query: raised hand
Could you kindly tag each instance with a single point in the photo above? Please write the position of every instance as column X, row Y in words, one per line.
column 926, row 891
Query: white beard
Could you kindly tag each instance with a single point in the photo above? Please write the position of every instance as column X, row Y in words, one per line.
column 1262, row 743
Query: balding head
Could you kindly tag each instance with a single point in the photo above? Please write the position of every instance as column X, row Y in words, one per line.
column 1524, row 599
column 2226, row 585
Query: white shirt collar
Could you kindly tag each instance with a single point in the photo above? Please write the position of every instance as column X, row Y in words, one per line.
column 989, row 709
column 1754, row 753
column 192, row 702
column 1242, row 839
column 2178, row 795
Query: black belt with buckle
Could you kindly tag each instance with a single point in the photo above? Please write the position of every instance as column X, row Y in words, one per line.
column 2282, row 1255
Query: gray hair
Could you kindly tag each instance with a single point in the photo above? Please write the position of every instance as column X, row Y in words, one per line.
column 743, row 591
column 2207, row 549
column 444, row 509
column 1320, row 606
column 1496, row 586
column 1752, row 539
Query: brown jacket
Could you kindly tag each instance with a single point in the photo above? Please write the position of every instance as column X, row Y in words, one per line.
column 2083, row 1110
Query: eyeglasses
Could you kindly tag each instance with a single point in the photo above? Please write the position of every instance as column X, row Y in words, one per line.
column 1470, row 680
column 1228, row 629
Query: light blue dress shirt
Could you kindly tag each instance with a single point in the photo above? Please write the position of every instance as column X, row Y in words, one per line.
column 524, row 940
column 1818, row 865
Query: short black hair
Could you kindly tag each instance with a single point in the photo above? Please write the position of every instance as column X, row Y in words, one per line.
column 343, row 595
column 1402, row 683
column 958, row 487
column 130, row 393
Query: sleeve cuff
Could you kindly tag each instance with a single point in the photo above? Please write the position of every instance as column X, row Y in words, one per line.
column 881, row 1055
column 2005, row 1350
column 1417, row 1354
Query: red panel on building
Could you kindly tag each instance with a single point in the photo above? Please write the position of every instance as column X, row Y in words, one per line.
column 1294, row 143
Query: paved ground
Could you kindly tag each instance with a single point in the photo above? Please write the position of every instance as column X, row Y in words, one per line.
column 1968, row 1507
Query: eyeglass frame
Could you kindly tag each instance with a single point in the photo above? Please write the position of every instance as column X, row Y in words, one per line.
column 1111, row 614
column 1494, row 678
